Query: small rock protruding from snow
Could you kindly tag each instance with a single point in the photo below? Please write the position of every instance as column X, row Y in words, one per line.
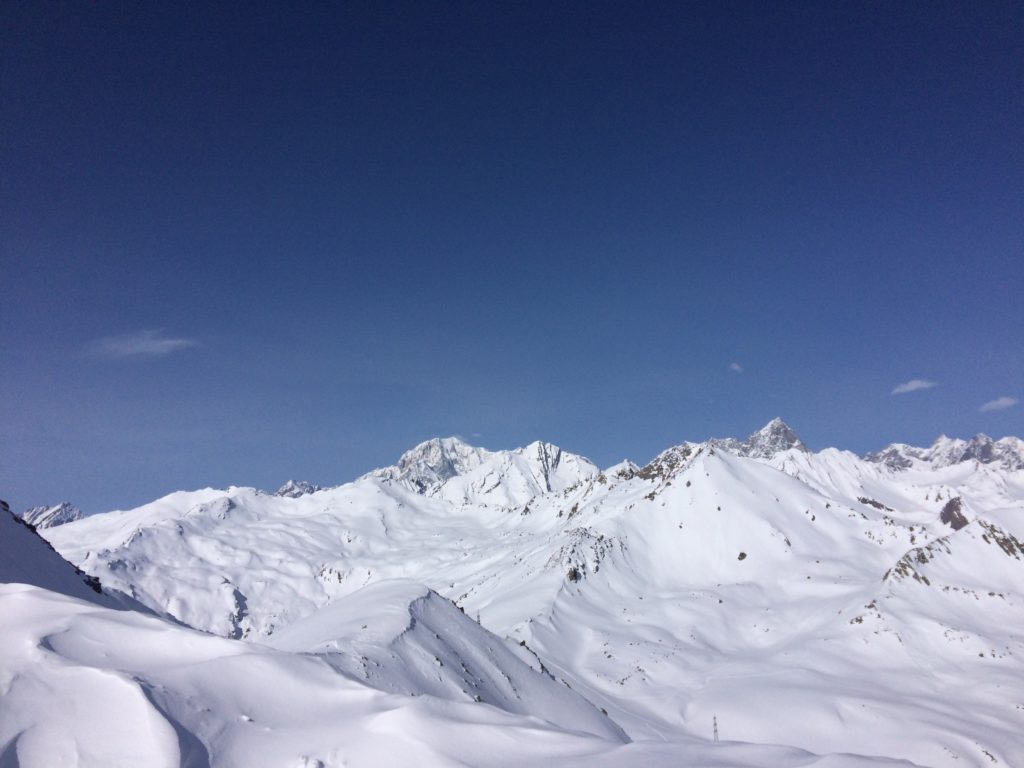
column 624, row 470
column 48, row 517
column 952, row 514
column 294, row 489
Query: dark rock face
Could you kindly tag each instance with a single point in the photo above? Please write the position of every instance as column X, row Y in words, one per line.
column 951, row 514
column 294, row 490
column 874, row 503
column 891, row 457
column 774, row 437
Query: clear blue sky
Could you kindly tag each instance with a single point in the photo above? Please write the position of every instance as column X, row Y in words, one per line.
column 240, row 246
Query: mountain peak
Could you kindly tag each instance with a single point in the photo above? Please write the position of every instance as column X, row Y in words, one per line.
column 432, row 462
column 450, row 467
column 774, row 437
column 294, row 489
column 47, row 517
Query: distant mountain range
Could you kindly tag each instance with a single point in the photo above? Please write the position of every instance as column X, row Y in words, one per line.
column 1007, row 453
column 835, row 604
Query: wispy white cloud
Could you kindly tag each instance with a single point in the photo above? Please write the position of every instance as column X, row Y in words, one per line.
column 999, row 404
column 147, row 343
column 913, row 386
column 735, row 367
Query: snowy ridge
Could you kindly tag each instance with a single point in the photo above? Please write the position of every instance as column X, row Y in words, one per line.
column 27, row 558
column 428, row 465
column 47, row 517
column 459, row 473
column 401, row 637
column 1006, row 453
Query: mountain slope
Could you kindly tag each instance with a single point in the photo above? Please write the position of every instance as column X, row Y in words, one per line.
column 749, row 581
column 92, row 687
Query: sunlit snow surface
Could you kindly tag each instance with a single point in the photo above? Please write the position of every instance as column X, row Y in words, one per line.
column 811, row 600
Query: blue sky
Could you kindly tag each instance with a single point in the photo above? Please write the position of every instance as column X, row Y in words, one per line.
column 242, row 246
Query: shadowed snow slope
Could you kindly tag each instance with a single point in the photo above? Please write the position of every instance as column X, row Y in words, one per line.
column 820, row 600
column 27, row 558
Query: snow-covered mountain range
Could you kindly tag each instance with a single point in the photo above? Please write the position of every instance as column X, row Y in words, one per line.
column 1007, row 453
column 824, row 602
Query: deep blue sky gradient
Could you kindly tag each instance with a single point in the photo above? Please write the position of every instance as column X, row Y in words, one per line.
column 509, row 221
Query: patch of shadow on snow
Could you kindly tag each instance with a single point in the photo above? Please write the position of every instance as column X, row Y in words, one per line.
column 9, row 757
column 192, row 752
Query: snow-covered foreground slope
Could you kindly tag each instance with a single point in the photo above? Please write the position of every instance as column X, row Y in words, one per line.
column 818, row 600
column 379, row 678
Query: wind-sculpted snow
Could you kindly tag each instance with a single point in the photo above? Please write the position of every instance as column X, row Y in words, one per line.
column 92, row 687
column 754, row 582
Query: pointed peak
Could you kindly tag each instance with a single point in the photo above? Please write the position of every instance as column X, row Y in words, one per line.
column 48, row 517
column 774, row 437
column 432, row 462
column 439, row 449
column 540, row 449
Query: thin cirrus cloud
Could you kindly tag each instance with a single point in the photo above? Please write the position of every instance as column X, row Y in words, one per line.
column 735, row 367
column 999, row 404
column 147, row 343
column 913, row 386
